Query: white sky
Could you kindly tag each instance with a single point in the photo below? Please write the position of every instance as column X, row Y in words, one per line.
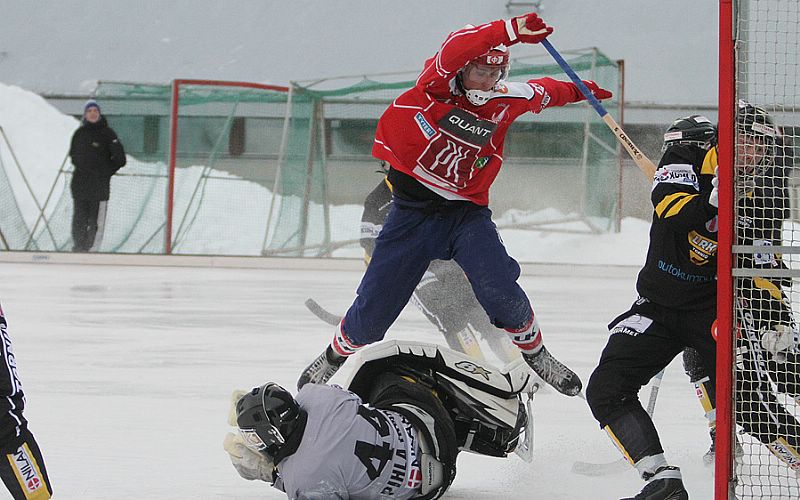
column 64, row 46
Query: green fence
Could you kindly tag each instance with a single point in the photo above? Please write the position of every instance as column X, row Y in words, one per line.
column 225, row 168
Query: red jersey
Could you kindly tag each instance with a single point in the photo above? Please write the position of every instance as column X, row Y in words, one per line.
column 434, row 134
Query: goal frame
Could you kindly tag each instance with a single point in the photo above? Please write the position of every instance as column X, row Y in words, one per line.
column 723, row 482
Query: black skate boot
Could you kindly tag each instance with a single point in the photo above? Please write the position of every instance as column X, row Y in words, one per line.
column 665, row 484
column 710, row 455
column 321, row 369
column 554, row 372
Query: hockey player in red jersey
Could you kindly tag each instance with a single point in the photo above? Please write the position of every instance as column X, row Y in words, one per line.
column 443, row 141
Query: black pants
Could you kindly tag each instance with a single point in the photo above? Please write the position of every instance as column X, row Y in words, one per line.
column 21, row 464
column 87, row 217
column 643, row 341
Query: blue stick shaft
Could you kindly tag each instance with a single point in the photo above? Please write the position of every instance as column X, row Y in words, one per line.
column 575, row 79
column 641, row 160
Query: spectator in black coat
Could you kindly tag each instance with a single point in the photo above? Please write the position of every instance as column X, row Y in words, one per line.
column 96, row 154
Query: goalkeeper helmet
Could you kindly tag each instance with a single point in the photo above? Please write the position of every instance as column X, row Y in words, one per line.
column 755, row 121
column 696, row 130
column 266, row 417
column 496, row 60
column 756, row 134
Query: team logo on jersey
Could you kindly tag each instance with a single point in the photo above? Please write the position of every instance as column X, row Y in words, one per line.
column 424, row 126
column 633, row 325
column 678, row 173
column 701, row 248
column 472, row 368
column 26, row 470
column 482, row 161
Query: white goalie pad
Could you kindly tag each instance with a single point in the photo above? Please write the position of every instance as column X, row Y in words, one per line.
column 487, row 396
column 511, row 379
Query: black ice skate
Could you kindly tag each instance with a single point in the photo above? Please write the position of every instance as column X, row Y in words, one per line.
column 321, row 369
column 665, row 484
column 710, row 455
column 554, row 372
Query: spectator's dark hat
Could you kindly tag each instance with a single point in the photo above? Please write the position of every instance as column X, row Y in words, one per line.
column 91, row 103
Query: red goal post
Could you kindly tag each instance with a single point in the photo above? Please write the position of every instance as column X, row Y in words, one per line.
column 758, row 387
column 177, row 86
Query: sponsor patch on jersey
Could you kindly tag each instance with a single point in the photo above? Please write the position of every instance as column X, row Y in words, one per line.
column 677, row 173
column 10, row 360
column 482, row 161
column 467, row 127
column 424, row 126
column 370, row 230
column 27, row 472
column 633, row 325
column 545, row 100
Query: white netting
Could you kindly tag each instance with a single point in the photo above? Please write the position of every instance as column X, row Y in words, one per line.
column 767, row 243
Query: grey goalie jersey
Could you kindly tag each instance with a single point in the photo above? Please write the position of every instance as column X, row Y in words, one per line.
column 350, row 450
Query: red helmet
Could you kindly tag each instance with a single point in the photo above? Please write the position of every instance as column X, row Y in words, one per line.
column 497, row 56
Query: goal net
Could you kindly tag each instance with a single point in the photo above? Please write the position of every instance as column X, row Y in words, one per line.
column 759, row 361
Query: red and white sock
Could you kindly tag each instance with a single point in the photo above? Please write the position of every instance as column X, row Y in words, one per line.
column 528, row 337
column 342, row 345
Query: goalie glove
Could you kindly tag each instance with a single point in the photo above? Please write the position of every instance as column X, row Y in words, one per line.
column 249, row 464
column 778, row 341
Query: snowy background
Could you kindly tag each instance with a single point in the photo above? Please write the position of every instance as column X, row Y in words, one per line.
column 128, row 370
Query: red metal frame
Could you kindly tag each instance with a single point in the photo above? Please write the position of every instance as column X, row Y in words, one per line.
column 173, row 138
column 725, row 392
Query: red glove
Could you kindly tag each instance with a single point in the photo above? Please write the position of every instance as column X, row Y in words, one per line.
column 599, row 93
column 530, row 28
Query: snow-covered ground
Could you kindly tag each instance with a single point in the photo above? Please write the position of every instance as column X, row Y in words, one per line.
column 128, row 373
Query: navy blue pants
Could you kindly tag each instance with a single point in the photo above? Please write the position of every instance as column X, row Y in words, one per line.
column 414, row 234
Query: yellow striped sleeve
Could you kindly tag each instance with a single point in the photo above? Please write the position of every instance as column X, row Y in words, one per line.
column 709, row 162
column 672, row 204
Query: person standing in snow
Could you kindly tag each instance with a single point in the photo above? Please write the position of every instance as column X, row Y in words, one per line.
column 97, row 154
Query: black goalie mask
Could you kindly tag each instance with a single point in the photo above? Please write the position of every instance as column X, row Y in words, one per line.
column 266, row 417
